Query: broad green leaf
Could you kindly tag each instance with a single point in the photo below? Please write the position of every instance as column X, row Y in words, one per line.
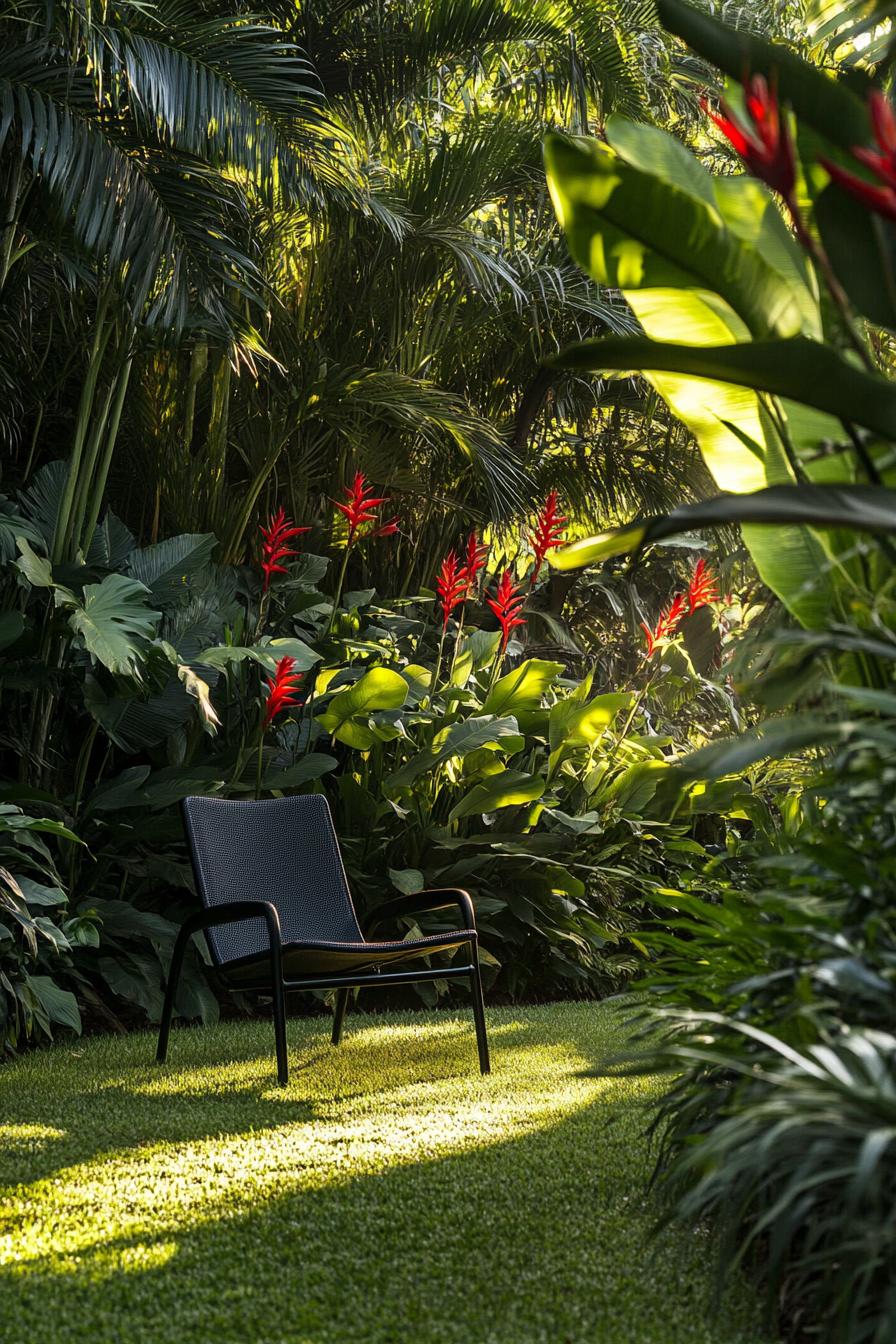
column 744, row 205
column 36, row 568
column 862, row 251
column 523, row 688
column 507, row 789
column 457, row 740
column 407, row 880
column 632, row 230
column 483, row 645
column 266, row 653
column 573, row 724
column 167, row 567
column 799, row 369
column 113, row 620
column 820, row 100
column 380, row 688
column 862, row 508
column 60, row 1005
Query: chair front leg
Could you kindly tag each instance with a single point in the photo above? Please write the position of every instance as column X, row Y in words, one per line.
column 339, row 1014
column 479, row 1010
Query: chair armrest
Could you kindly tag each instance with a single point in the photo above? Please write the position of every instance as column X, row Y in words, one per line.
column 230, row 913
column 439, row 898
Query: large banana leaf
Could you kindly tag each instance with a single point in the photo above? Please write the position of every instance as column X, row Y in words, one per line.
column 380, row 688
column 862, row 508
column 737, row 435
column 633, row 229
column 798, row 369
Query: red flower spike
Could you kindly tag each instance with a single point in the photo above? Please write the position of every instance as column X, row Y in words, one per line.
column 702, row 588
column 360, row 508
column 474, row 560
column 881, row 200
column 507, row 604
column 388, row 529
column 283, row 688
column 276, row 534
column 451, row 586
column 765, row 146
column 665, row 626
column 549, row 532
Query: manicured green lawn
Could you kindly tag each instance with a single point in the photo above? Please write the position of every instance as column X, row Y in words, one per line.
column 388, row 1194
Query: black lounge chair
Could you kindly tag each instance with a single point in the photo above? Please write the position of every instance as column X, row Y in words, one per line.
column 277, row 914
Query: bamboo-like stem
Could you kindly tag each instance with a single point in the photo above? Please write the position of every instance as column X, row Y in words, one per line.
column 338, row 594
column 10, row 220
column 99, row 485
column 61, row 536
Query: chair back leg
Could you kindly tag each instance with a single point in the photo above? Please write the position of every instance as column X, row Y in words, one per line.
column 479, row 1011
column 339, row 1014
column 177, row 961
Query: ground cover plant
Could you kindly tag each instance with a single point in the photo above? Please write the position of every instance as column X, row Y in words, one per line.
column 386, row 1194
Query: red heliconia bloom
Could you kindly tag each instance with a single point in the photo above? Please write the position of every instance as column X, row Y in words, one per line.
column 702, row 588
column 283, row 688
column 507, row 604
column 880, row 199
column 388, row 529
column 474, row 560
column 549, row 532
column 278, row 532
column 360, row 508
column 451, row 586
column 766, row 147
column 666, row 625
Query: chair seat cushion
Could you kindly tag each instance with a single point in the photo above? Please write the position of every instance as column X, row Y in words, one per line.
column 310, row 958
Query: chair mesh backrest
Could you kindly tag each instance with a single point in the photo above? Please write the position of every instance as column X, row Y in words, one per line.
column 282, row 850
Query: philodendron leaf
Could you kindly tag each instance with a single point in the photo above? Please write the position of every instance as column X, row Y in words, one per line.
column 407, row 880
column 380, row 688
column 863, row 508
column 826, row 104
column 60, row 1005
column 523, row 688
column 457, row 740
column 799, row 369
column 113, row 620
column 507, row 789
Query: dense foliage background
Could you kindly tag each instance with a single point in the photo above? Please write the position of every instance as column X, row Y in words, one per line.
column 325, row 413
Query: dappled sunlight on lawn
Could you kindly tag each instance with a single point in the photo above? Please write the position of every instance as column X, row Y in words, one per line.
column 198, row 1195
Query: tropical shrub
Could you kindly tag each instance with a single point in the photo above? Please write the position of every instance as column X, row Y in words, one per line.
column 452, row 751
column 767, row 317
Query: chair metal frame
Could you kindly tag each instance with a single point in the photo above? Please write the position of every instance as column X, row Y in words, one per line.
column 278, row 986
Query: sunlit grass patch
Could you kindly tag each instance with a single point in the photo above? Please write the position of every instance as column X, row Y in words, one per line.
column 390, row 1193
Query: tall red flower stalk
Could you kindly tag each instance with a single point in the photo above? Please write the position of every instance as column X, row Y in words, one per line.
column 282, row 693
column 282, row 690
column 474, row 561
column 507, row 604
column 549, row 532
column 361, row 505
column 666, row 625
column 278, row 531
column 879, row 197
column 451, row 586
column 765, row 144
column 702, row 588
column 766, row 147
